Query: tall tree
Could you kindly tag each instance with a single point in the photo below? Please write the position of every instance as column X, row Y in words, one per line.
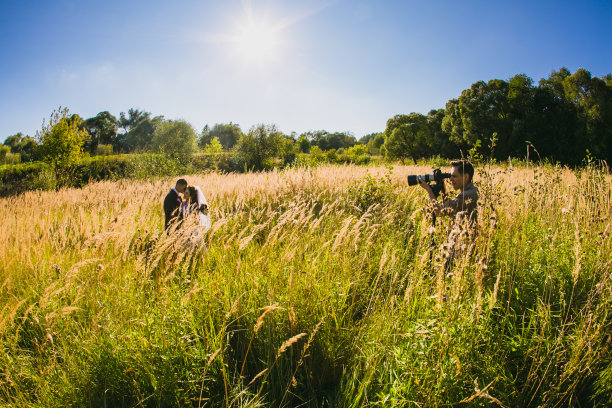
column 593, row 101
column 136, row 130
column 174, row 138
column 228, row 134
column 22, row 145
column 133, row 118
column 257, row 149
column 406, row 136
column 439, row 141
column 103, row 130
column 61, row 140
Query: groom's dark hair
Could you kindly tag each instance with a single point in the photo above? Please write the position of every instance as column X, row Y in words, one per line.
column 181, row 182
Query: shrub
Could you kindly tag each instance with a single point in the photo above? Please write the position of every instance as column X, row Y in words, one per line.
column 17, row 178
column 6, row 157
column 61, row 141
column 104, row 149
column 100, row 168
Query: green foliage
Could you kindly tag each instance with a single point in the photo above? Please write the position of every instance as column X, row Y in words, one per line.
column 258, row 149
column 227, row 134
column 61, row 140
column 21, row 145
column 104, row 149
column 327, row 141
column 15, row 179
column 303, row 144
column 103, row 130
column 358, row 154
column 214, row 149
column 375, row 143
column 318, row 287
column 562, row 117
column 406, row 136
column 174, row 138
column 4, row 151
column 138, row 129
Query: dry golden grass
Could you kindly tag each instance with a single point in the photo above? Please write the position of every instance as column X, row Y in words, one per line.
column 92, row 267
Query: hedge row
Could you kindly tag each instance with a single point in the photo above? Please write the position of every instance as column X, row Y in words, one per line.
column 17, row 178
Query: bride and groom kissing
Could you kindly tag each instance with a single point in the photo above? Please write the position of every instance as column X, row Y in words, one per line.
column 183, row 203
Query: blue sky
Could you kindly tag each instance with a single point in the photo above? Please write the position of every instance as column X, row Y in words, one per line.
column 343, row 65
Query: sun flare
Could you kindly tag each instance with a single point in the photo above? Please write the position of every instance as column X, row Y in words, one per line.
column 257, row 42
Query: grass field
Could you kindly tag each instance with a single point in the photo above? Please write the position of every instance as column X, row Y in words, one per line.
column 316, row 287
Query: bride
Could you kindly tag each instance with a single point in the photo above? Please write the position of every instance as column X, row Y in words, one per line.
column 195, row 205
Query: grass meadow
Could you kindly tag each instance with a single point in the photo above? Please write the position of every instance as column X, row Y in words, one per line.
column 316, row 287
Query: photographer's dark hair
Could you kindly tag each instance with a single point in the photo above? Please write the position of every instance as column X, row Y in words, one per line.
column 464, row 167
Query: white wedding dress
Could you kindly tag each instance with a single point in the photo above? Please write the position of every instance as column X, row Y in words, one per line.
column 197, row 233
column 204, row 218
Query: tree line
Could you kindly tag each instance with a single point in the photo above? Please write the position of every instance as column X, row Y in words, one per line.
column 563, row 119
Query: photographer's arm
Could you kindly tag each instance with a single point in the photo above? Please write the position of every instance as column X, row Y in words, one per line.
column 432, row 196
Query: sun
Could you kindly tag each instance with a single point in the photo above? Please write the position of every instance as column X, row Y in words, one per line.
column 257, row 42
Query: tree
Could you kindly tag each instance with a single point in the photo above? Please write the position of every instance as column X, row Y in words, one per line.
column 522, row 116
column 22, row 145
column 258, row 148
column 438, row 140
column 103, row 130
column 174, row 138
column 205, row 138
column 406, row 137
column 13, row 142
column 140, row 137
column 303, row 144
column 337, row 140
column 61, row 140
column 4, row 152
column 214, row 147
column 484, row 110
column 593, row 102
column 213, row 150
column 377, row 141
column 136, row 130
column 133, row 118
column 228, row 134
column 314, row 136
column 366, row 139
column 288, row 149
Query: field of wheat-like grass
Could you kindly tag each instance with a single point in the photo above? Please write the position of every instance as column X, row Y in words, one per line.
column 315, row 287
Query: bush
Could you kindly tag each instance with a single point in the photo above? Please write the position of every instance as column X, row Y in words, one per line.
column 6, row 157
column 17, row 178
column 100, row 168
column 104, row 149
column 61, row 141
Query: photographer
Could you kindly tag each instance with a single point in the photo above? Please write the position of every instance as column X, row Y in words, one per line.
column 461, row 175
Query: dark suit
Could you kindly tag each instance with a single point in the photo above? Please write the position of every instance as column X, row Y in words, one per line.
column 172, row 206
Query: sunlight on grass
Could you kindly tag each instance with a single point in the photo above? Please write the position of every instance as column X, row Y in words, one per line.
column 316, row 287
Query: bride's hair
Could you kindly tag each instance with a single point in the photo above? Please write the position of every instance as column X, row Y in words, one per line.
column 193, row 195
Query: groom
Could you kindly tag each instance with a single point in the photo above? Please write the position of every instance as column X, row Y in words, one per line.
column 172, row 203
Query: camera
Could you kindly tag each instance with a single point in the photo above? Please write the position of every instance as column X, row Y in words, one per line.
column 437, row 177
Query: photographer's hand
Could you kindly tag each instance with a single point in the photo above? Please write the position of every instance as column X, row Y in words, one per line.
column 427, row 188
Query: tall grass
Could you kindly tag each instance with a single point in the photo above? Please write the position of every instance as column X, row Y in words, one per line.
column 315, row 287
